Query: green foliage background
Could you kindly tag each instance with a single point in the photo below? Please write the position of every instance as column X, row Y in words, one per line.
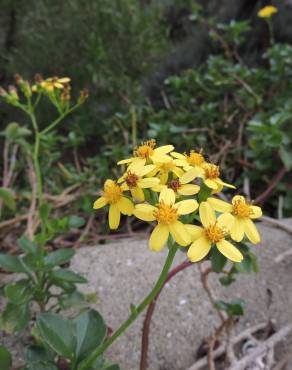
column 156, row 69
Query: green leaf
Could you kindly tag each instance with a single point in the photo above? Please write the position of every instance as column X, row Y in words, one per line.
column 235, row 308
column 7, row 196
column 75, row 222
column 5, row 359
column 227, row 280
column 68, row 276
column 12, row 263
column 112, row 367
column 19, row 292
column 57, row 332
column 39, row 365
column 27, row 245
column 39, row 354
column 90, row 331
column 72, row 299
column 44, row 212
column 286, row 158
column 218, row 260
column 15, row 317
column 59, row 257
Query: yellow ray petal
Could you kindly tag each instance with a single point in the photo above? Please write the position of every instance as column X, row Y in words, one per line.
column 160, row 158
column 219, row 181
column 211, row 184
column 179, row 233
column 138, row 194
column 199, row 249
column 178, row 155
column 189, row 176
column 148, row 182
column 256, row 212
column 158, row 237
column 238, row 198
column 188, row 189
column 124, row 161
column 186, row 207
column 219, row 205
column 164, row 149
column 207, row 215
column 167, row 196
column 147, row 169
column 195, row 231
column 136, row 162
column 125, row 206
column 178, row 171
column 114, row 216
column 145, row 212
column 229, row 251
column 163, row 178
column 251, row 231
column 237, row 231
column 226, row 221
column 99, row 203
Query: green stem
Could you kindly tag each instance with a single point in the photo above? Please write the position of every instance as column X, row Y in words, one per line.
column 271, row 31
column 135, row 312
column 58, row 120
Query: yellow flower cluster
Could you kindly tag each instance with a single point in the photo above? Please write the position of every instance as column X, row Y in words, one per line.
column 172, row 189
column 267, row 11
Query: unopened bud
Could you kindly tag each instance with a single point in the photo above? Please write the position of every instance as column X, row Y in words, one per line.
column 3, row 92
column 38, row 78
column 83, row 95
column 18, row 78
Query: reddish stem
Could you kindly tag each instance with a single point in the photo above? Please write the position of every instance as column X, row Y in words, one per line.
column 274, row 182
column 150, row 311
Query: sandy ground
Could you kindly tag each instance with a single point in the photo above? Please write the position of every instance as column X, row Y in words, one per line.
column 123, row 272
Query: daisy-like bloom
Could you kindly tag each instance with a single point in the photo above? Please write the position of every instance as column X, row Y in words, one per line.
column 133, row 181
column 148, row 153
column 52, row 83
column 167, row 214
column 267, row 11
column 210, row 174
column 187, row 161
column 213, row 232
column 162, row 170
column 113, row 196
column 243, row 214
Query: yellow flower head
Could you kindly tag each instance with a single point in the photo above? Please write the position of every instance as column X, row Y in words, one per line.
column 213, row 232
column 210, row 173
column 133, row 181
column 52, row 83
column 267, row 11
column 148, row 153
column 193, row 159
column 113, row 196
column 243, row 214
column 167, row 214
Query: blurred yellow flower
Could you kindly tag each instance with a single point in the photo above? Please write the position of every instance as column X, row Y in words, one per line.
column 133, row 181
column 113, row 195
column 267, row 11
column 167, row 215
column 148, row 153
column 52, row 83
column 213, row 232
column 243, row 214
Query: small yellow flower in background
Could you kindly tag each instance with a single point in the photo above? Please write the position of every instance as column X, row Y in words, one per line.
column 243, row 214
column 187, row 161
column 113, row 196
column 148, row 153
column 162, row 170
column 133, row 181
column 52, row 83
column 267, row 11
column 213, row 232
column 210, row 173
column 167, row 215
